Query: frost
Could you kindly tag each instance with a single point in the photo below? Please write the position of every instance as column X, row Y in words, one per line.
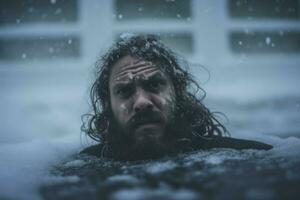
column 240, row 43
column 18, row 21
column 24, row 55
column 126, row 36
column 70, row 41
column 140, row 9
column 53, row 1
column 124, row 108
column 130, row 75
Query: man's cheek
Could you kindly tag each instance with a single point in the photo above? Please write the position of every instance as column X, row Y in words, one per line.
column 122, row 114
column 124, row 109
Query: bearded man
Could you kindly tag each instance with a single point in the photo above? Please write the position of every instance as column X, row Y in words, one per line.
column 143, row 106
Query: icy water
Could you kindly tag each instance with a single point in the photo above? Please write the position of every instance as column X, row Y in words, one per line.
column 45, row 168
column 212, row 174
column 35, row 165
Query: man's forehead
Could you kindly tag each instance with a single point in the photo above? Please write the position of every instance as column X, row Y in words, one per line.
column 130, row 67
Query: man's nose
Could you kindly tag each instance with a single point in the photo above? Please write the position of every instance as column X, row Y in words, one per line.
column 142, row 101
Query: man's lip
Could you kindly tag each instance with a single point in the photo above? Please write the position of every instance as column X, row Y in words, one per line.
column 148, row 125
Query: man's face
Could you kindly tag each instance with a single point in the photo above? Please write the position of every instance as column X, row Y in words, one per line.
column 142, row 99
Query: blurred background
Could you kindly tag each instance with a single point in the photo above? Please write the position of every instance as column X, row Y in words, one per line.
column 48, row 49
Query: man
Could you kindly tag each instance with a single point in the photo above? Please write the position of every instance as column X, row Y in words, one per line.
column 143, row 106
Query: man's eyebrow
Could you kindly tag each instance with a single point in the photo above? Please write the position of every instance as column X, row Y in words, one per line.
column 157, row 75
column 121, row 84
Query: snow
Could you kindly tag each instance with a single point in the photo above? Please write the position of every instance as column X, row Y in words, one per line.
column 123, row 178
column 254, row 174
column 268, row 40
column 120, row 16
column 135, row 194
column 25, row 165
column 155, row 168
column 41, row 108
column 75, row 163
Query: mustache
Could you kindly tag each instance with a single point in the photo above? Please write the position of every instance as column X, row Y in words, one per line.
column 144, row 117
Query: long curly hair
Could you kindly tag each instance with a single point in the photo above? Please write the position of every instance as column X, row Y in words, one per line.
column 195, row 118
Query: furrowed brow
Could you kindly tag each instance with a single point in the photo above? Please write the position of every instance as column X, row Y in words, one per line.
column 119, row 85
column 133, row 68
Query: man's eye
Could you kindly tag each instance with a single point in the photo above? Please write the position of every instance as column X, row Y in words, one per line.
column 124, row 92
column 155, row 86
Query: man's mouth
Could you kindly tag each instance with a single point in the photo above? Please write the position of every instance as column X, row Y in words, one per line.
column 148, row 125
column 150, row 121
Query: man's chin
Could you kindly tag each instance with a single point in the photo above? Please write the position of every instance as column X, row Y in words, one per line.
column 148, row 133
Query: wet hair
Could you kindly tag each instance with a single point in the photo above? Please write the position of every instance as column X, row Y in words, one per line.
column 196, row 120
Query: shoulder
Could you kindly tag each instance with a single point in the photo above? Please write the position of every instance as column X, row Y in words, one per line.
column 228, row 142
column 94, row 150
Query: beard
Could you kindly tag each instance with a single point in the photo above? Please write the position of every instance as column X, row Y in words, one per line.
column 128, row 144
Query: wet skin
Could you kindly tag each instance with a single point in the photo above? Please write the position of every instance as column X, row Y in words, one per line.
column 142, row 99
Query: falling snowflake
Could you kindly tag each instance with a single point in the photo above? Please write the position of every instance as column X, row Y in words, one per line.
column 268, row 40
